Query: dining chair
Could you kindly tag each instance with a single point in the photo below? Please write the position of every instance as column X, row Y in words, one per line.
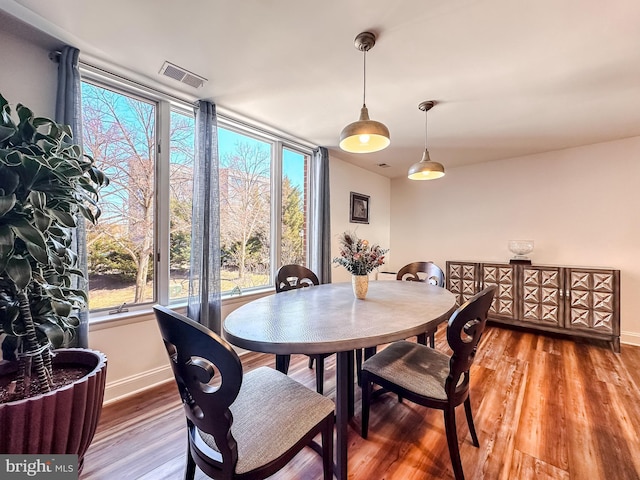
column 428, row 377
column 412, row 272
column 427, row 272
column 291, row 277
column 240, row 426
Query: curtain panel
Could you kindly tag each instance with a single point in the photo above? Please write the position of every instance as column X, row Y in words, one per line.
column 320, row 245
column 69, row 112
column 204, row 278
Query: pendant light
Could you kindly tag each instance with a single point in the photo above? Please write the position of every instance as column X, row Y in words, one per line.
column 425, row 169
column 365, row 135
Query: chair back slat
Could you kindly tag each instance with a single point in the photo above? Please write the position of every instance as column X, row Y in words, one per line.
column 291, row 277
column 464, row 330
column 208, row 373
column 422, row 272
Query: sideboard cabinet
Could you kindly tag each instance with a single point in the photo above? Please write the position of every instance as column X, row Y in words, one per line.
column 576, row 301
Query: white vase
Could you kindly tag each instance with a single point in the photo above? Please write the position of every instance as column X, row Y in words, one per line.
column 360, row 284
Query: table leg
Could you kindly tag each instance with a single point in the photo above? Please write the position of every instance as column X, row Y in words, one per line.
column 344, row 362
column 350, row 386
column 282, row 363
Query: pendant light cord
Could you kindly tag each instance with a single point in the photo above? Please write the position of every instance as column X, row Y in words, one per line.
column 364, row 78
column 425, row 128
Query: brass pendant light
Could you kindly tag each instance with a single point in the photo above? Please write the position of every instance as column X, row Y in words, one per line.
column 365, row 135
column 425, row 169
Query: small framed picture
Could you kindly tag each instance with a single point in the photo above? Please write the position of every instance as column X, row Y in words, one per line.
column 359, row 208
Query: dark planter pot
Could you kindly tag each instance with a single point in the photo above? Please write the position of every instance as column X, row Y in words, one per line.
column 62, row 421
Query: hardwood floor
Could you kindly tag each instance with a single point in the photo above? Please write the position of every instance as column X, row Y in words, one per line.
column 544, row 408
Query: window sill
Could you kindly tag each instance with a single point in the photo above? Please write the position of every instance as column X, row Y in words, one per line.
column 103, row 320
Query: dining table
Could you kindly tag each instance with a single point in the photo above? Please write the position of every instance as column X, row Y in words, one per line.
column 329, row 319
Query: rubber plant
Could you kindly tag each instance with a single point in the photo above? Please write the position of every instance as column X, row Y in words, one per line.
column 45, row 183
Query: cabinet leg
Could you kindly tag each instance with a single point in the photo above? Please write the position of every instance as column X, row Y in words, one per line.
column 615, row 343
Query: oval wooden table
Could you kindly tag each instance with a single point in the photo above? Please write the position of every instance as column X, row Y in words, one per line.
column 328, row 318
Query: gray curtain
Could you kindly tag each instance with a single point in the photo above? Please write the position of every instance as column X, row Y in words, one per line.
column 204, row 278
column 69, row 112
column 320, row 252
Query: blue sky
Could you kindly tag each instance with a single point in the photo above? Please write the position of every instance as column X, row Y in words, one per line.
column 292, row 162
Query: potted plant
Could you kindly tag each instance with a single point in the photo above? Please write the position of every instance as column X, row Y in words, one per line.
column 45, row 183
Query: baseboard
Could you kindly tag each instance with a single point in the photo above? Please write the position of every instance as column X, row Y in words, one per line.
column 140, row 382
column 630, row 338
column 125, row 387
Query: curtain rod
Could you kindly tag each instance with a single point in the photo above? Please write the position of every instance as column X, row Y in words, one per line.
column 54, row 56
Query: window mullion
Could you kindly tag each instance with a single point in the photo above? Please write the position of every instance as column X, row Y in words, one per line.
column 163, row 152
column 276, row 209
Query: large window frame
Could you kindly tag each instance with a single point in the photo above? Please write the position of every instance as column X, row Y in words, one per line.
column 165, row 104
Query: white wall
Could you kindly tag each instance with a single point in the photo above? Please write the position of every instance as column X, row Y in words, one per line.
column 347, row 178
column 579, row 205
column 27, row 75
column 135, row 352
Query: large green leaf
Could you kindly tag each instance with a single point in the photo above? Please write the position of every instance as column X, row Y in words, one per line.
column 61, row 308
column 40, row 254
column 11, row 158
column 26, row 130
column 64, row 218
column 7, row 202
column 6, row 111
column 9, row 180
column 40, row 121
column 42, row 220
column 6, row 132
column 28, row 233
column 38, row 199
column 53, row 332
column 7, row 239
column 19, row 270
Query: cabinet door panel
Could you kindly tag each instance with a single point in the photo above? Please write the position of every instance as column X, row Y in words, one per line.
column 504, row 302
column 462, row 280
column 542, row 295
column 592, row 299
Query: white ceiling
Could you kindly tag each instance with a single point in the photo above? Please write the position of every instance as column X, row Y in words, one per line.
column 511, row 77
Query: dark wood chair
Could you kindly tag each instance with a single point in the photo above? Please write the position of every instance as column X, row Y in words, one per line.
column 413, row 272
column 430, row 378
column 291, row 277
column 423, row 272
column 240, row 426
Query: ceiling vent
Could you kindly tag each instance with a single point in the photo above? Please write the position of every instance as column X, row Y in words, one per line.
column 178, row 73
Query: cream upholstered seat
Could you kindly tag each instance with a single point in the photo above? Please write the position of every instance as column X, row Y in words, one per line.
column 421, row 370
column 240, row 426
column 265, row 405
column 430, row 378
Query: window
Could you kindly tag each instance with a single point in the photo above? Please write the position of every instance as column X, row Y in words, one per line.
column 293, row 222
column 139, row 252
column 252, row 203
column 119, row 132
column 182, row 144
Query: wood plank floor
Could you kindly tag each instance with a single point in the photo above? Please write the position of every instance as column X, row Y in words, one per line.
column 544, row 408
